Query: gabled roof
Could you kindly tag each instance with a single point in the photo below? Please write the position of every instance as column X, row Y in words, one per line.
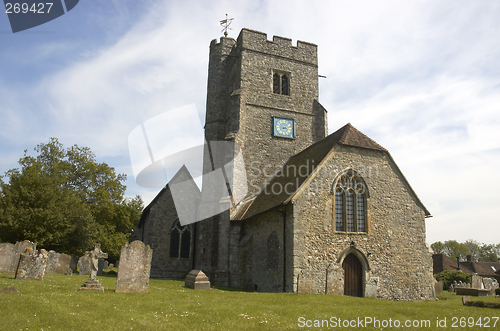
column 181, row 175
column 285, row 184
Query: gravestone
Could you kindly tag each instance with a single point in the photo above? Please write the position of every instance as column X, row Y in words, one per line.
column 10, row 254
column 135, row 266
column 94, row 255
column 101, row 265
column 32, row 264
column 438, row 287
column 110, row 266
column 52, row 260
column 477, row 281
column 197, row 280
column 58, row 264
column 84, row 265
column 74, row 263
column 488, row 285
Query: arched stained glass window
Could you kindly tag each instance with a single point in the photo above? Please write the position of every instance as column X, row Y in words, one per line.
column 350, row 202
column 339, row 207
column 180, row 241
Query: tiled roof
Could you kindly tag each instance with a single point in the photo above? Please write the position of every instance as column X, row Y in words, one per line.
column 284, row 184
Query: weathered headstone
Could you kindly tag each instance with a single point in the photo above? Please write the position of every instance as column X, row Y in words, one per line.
column 52, row 260
column 488, row 285
column 84, row 265
column 93, row 283
column 58, row 264
column 477, row 281
column 10, row 254
column 32, row 264
column 197, row 280
column 438, row 287
column 135, row 266
column 110, row 266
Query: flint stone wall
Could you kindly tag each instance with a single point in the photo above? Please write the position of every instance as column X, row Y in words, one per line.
column 32, row 264
column 10, row 254
column 135, row 266
column 397, row 264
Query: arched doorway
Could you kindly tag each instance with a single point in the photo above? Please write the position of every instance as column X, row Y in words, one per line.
column 353, row 276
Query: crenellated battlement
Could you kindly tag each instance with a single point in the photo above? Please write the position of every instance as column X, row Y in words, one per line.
column 280, row 46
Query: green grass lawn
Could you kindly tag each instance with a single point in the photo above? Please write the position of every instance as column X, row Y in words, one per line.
column 56, row 304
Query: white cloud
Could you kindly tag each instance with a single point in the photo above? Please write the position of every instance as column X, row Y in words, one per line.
column 420, row 77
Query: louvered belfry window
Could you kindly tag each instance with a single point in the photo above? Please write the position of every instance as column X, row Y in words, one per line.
column 350, row 202
column 281, row 83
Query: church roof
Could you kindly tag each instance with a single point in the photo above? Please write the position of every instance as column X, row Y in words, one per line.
column 181, row 175
column 281, row 187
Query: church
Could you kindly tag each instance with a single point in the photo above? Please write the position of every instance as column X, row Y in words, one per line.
column 306, row 212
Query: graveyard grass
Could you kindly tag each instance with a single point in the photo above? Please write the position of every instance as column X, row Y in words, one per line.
column 56, row 304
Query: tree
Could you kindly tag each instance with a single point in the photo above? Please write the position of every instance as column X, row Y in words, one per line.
column 488, row 253
column 452, row 248
column 450, row 276
column 479, row 251
column 64, row 199
column 438, row 247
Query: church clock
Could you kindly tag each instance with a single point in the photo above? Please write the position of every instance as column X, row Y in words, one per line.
column 284, row 127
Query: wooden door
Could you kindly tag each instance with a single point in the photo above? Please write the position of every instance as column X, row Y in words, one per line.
column 353, row 276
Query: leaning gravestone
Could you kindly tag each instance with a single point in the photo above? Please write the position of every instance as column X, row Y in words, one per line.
column 32, row 264
column 135, row 266
column 10, row 254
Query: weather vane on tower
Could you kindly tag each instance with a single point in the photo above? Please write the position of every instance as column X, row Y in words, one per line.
column 225, row 25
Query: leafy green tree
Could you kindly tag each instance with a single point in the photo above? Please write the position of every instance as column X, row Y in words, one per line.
column 438, row 247
column 473, row 247
column 488, row 253
column 452, row 248
column 64, row 199
column 449, row 276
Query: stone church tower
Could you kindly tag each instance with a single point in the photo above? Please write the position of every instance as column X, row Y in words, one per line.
column 254, row 86
column 298, row 210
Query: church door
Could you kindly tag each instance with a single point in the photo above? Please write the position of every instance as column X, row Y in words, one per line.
column 353, row 277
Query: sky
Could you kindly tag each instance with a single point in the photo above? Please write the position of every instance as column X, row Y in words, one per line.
column 421, row 78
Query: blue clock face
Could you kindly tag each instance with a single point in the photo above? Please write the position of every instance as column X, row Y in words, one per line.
column 284, row 127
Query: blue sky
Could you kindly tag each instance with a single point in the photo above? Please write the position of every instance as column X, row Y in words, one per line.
column 422, row 78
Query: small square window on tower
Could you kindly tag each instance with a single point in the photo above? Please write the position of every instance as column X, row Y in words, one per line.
column 281, row 82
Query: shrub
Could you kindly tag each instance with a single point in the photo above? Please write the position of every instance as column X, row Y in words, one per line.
column 450, row 276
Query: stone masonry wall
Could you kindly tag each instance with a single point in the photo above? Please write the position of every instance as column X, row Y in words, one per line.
column 260, row 58
column 400, row 265
column 162, row 215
